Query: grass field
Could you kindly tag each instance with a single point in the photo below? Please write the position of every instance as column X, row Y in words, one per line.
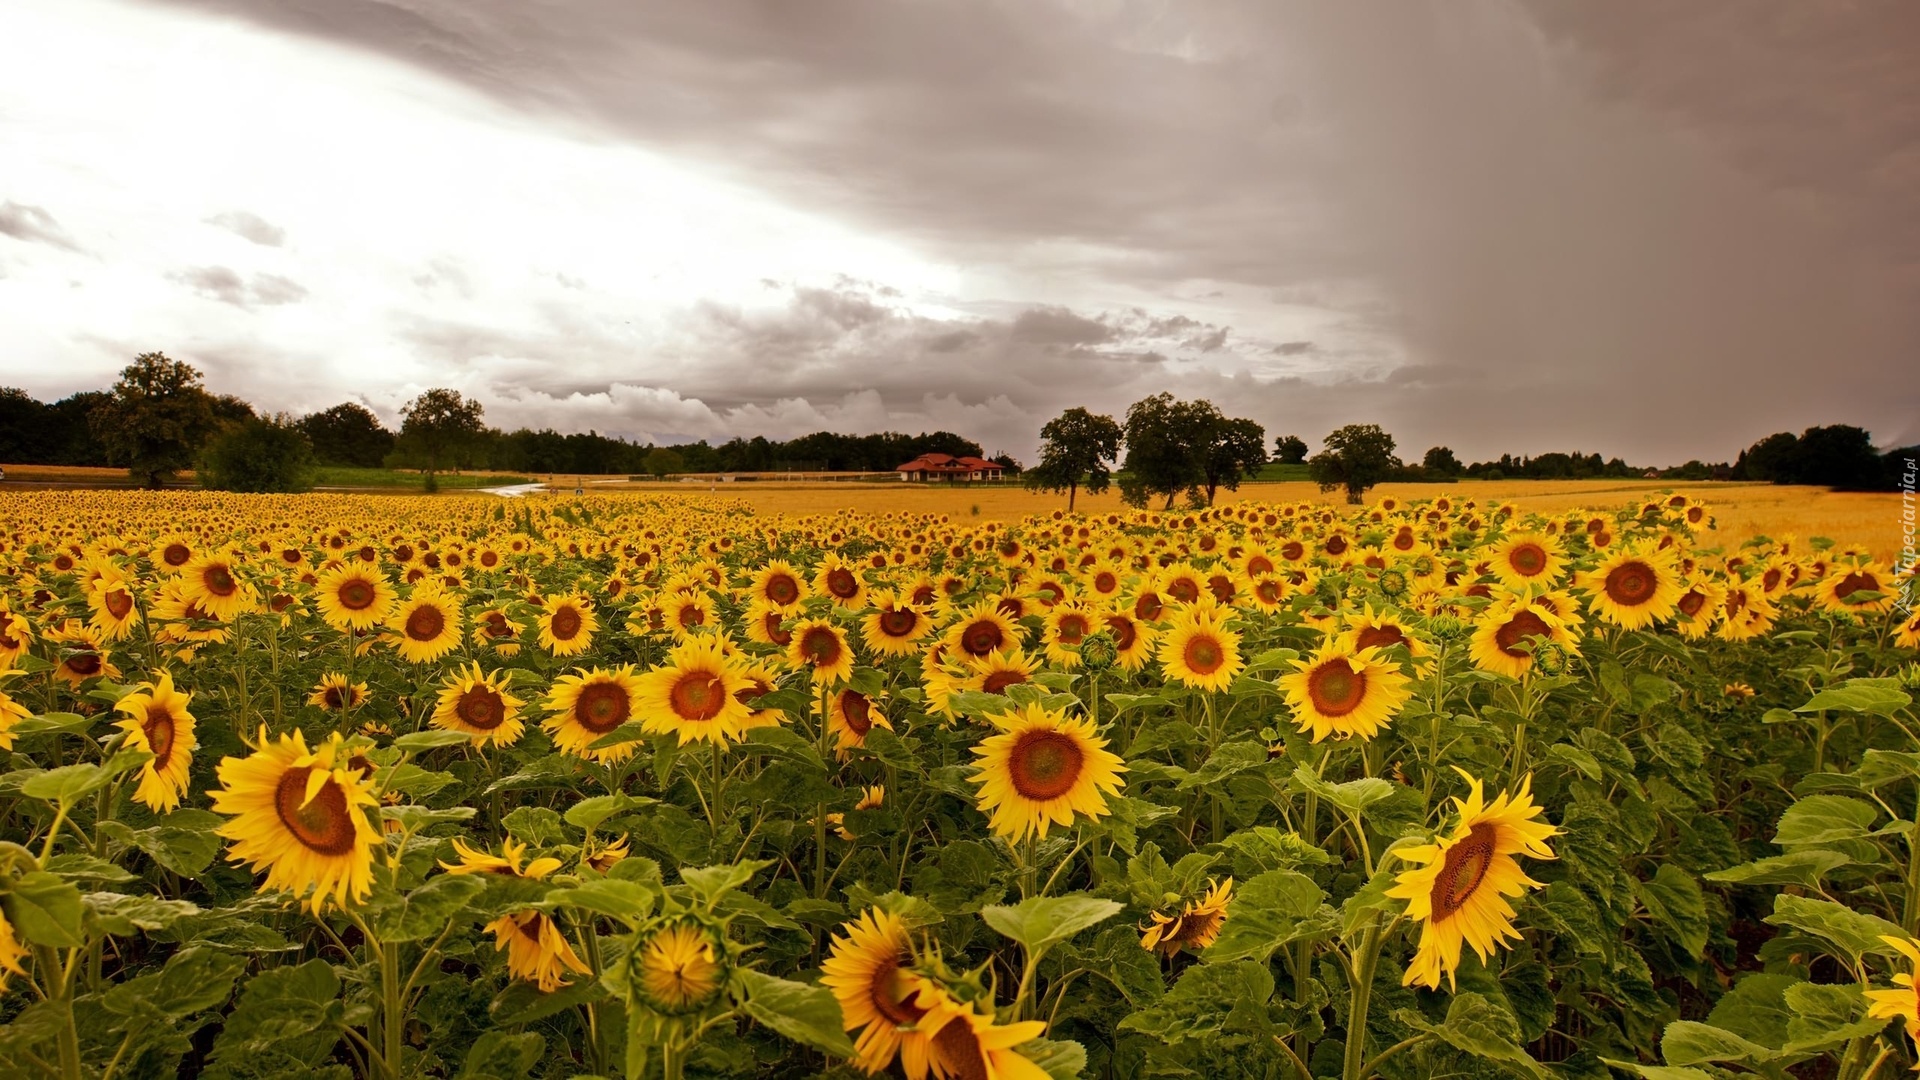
column 332, row 476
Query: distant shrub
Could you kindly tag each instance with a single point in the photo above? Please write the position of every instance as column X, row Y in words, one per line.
column 260, row 454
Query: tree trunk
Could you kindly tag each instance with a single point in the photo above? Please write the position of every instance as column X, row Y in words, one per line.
column 1072, row 490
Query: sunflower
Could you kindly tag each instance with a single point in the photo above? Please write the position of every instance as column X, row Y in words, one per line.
column 353, row 597
column 1268, row 592
column 1041, row 769
column 1745, row 612
column 213, row 582
column 336, row 694
column 1699, row 605
column 1633, row 587
column 779, row 586
column 993, row 674
column 588, row 706
column 1382, row 630
column 1195, row 927
column 15, row 635
column 83, row 654
column 1459, row 885
column 302, row 816
column 867, row 969
column 1502, row 632
column 493, row 628
column 536, row 949
column 821, row 648
column 12, row 951
column 893, row 628
column 1198, row 650
column 968, row 1044
column 1527, row 558
column 1902, row 1002
column 479, row 705
column 1858, row 587
column 1340, row 691
column 1907, row 636
column 1064, row 627
column 159, row 723
column 603, row 855
column 110, row 598
column 850, row 715
column 428, row 625
column 841, row 581
column 686, row 612
column 567, row 624
column 695, row 695
column 981, row 630
column 871, row 798
column 11, row 713
column 1133, row 639
column 679, row 969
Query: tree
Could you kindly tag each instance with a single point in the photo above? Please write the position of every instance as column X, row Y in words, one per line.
column 437, row 425
column 348, row 434
column 1076, row 449
column 1770, row 459
column 661, row 461
column 1356, row 457
column 259, row 454
column 1230, row 451
column 1441, row 462
column 1290, row 450
column 1160, row 450
column 1010, row 464
column 1838, row 456
column 156, row 418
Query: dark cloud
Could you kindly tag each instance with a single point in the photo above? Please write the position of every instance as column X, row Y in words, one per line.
column 1657, row 228
column 34, row 224
column 228, row 287
column 250, row 227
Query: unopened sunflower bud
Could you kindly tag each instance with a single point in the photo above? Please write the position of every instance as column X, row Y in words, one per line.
column 1447, row 628
column 1098, row 652
column 1550, row 658
column 1393, row 584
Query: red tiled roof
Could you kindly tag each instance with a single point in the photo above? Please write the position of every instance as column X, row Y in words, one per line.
column 947, row 463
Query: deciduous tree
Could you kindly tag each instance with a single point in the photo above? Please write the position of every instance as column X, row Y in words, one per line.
column 1356, row 457
column 1076, row 449
column 156, row 419
column 436, row 425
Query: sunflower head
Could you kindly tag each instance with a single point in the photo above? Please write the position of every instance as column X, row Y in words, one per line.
column 1041, row 769
column 679, row 965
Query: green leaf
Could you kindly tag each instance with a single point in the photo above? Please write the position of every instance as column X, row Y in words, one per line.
column 535, row 825
column 628, row 901
column 427, row 910
column 1688, row 1042
column 1060, row 1059
column 979, row 703
column 625, row 733
column 1581, row 761
column 523, row 1003
column 1565, row 910
column 808, row 1015
column 1478, row 1026
column 1354, row 796
column 192, row 980
column 709, row 882
column 1269, row 911
column 414, row 818
column 419, row 741
column 1227, row 760
column 1826, row 1016
column 591, row 813
column 297, row 1005
column 1856, row 933
column 45, row 909
column 123, row 915
column 1879, row 697
column 1658, row 1072
column 502, row 1055
column 1040, row 922
column 1829, row 821
column 1678, row 908
column 65, row 723
column 1805, row 867
column 67, row 784
column 1756, row 1008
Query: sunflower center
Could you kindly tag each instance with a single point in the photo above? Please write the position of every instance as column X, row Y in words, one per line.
column 1044, row 765
column 857, row 711
column 1691, row 603
column 335, row 697
column 481, row 707
column 1148, row 607
column 1203, row 655
column 1072, row 628
column 565, row 624
column 1373, row 637
column 1258, row 565
column 1523, row 625
column 1771, row 579
column 1858, row 581
column 1104, row 582
column 426, row 623
column 159, row 731
column 1335, row 689
column 771, row 621
column 697, row 695
column 176, row 555
column 1631, row 584
column 601, row 707
column 85, row 663
column 888, row 1001
column 982, row 637
column 323, row 822
column 997, row 682
column 495, row 625
column 1221, row 586
column 1185, row 590
column 782, row 589
column 897, row 623
column 842, row 584
column 691, row 615
column 356, row 595
column 219, row 581
column 959, row 1049
column 117, row 603
column 1465, row 867
column 1336, row 544
column 820, row 646
column 1528, row 559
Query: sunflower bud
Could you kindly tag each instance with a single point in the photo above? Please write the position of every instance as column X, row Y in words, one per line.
column 1550, row 658
column 678, row 966
column 1098, row 652
column 1910, row 676
column 1393, row 584
column 1447, row 628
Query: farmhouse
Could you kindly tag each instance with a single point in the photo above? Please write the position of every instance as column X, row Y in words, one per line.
column 948, row 467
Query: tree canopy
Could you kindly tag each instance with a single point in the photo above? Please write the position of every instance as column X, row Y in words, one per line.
column 156, row 418
column 348, row 434
column 1356, row 457
column 1175, row 446
column 259, row 454
column 437, row 425
column 1290, row 450
column 1076, row 449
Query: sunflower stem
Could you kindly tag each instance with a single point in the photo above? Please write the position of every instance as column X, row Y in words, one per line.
column 1365, row 960
column 391, row 1020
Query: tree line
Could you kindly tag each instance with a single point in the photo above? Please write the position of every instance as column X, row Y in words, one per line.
column 159, row 419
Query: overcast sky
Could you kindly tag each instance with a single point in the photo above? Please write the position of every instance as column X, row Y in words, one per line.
column 1653, row 229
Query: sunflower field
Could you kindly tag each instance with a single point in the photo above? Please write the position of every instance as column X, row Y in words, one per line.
column 648, row 786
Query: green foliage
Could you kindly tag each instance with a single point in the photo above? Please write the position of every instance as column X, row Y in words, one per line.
column 264, row 454
column 1355, row 458
column 1076, row 449
column 155, row 420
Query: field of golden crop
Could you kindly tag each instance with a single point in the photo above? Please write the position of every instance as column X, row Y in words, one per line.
column 1490, row 780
